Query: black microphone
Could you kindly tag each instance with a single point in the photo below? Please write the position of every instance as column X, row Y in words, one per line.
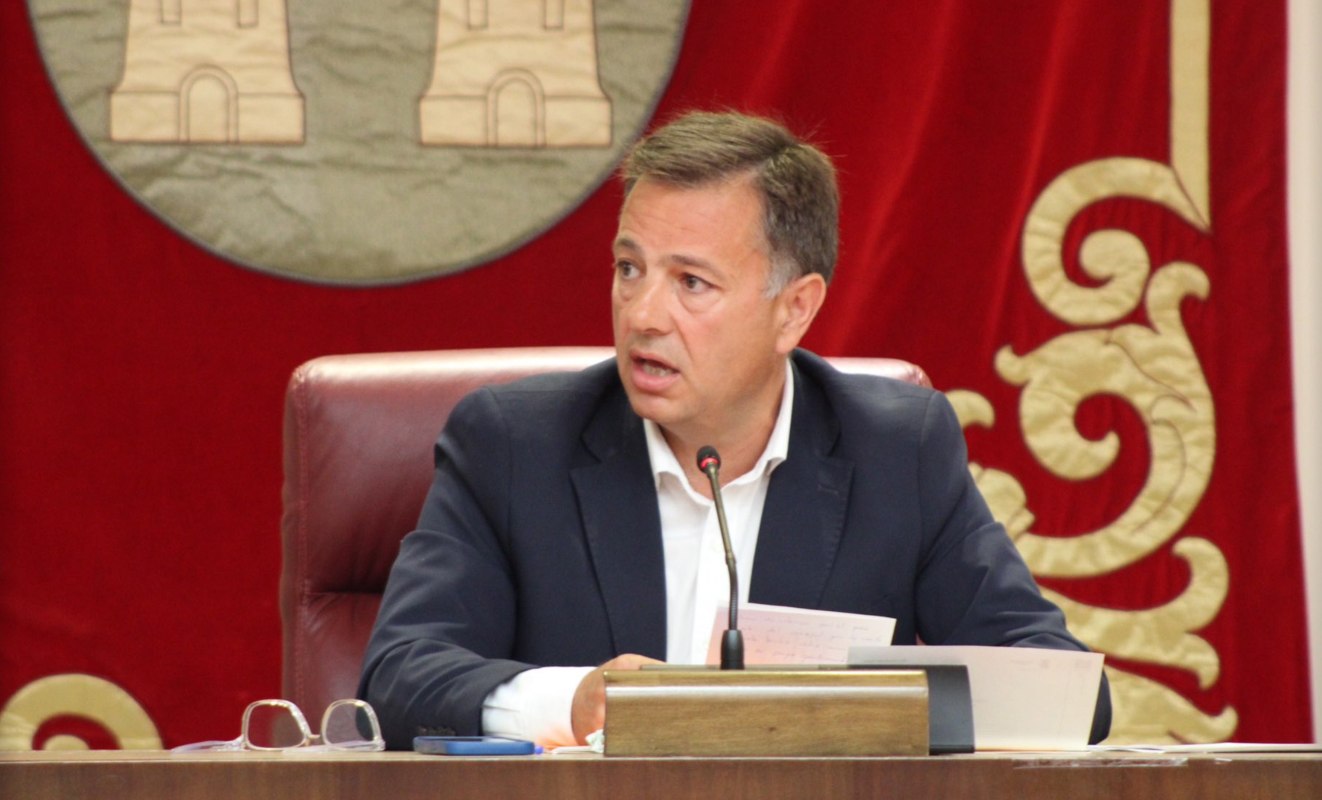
column 732, row 644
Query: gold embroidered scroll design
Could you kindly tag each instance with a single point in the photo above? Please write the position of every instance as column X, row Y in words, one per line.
column 75, row 695
column 1153, row 368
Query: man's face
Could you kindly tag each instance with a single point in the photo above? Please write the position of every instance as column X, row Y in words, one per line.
column 698, row 344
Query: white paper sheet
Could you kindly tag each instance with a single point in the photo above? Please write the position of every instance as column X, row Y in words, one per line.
column 1024, row 698
column 1213, row 747
column 783, row 635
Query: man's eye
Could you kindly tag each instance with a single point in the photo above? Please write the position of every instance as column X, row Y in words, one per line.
column 626, row 269
column 693, row 283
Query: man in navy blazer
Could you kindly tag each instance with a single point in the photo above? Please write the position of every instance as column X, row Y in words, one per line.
column 556, row 524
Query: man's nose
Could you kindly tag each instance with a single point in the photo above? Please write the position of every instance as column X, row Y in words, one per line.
column 649, row 308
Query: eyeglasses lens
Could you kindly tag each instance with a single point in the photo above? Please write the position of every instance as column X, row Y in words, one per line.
column 273, row 727
column 350, row 726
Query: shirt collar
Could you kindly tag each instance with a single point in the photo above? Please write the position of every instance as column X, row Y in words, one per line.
column 663, row 460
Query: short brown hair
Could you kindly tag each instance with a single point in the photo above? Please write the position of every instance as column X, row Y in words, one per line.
column 801, row 203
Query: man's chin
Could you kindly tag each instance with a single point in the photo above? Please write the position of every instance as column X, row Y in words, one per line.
column 650, row 406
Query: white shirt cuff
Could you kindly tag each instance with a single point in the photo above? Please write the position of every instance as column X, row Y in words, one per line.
column 536, row 704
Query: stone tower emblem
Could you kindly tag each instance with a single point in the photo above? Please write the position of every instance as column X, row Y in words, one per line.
column 358, row 142
column 512, row 73
column 515, row 73
column 207, row 71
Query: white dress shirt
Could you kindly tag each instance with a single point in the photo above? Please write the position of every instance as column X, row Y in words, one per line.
column 537, row 704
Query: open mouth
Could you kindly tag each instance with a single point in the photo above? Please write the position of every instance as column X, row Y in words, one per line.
column 654, row 368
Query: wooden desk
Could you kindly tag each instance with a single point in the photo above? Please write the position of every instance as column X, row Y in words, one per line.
column 398, row 776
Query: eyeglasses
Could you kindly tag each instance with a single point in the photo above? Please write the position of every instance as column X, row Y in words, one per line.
column 280, row 725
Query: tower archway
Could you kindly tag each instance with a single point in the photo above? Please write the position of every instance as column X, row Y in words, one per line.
column 208, row 107
column 516, row 111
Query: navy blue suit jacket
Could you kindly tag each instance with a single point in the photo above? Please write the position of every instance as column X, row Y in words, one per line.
column 539, row 543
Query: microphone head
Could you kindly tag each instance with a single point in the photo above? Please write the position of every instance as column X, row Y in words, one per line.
column 708, row 458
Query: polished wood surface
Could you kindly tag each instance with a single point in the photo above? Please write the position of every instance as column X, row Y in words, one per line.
column 398, row 776
column 766, row 712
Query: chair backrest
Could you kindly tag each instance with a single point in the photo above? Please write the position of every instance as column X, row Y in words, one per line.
column 358, row 438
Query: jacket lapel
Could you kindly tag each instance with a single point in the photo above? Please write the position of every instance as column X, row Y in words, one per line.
column 804, row 515
column 617, row 500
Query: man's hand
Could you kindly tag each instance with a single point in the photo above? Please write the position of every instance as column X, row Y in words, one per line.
column 589, row 709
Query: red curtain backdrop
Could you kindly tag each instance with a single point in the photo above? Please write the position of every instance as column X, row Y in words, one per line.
column 142, row 378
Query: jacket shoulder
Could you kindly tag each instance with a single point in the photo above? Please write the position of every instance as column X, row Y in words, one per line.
column 851, row 393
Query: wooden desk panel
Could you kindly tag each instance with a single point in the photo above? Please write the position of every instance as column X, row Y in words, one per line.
column 399, row 776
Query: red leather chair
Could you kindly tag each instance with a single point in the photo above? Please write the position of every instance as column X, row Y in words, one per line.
column 358, row 439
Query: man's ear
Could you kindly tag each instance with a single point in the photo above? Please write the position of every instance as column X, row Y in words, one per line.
column 796, row 307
